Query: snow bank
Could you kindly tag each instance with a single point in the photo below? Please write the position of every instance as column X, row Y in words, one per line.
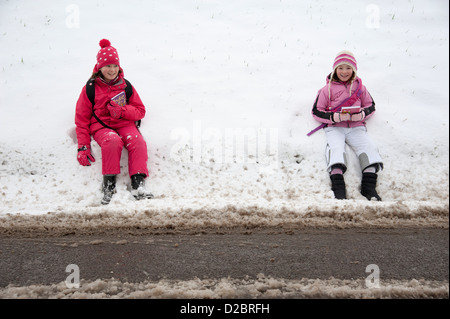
column 212, row 73
column 261, row 287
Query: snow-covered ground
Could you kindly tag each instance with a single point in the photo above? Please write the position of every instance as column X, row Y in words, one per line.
column 214, row 72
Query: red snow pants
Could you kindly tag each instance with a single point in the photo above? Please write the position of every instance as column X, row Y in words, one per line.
column 112, row 143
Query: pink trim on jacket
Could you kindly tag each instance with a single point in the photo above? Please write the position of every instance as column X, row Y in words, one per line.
column 339, row 91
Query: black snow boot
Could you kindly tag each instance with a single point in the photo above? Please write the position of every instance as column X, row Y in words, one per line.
column 338, row 186
column 138, row 187
column 109, row 188
column 368, row 184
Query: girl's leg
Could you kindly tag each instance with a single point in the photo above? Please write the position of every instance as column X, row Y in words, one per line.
column 364, row 148
column 137, row 160
column 335, row 149
column 137, row 150
column 369, row 159
column 336, row 160
column 111, row 144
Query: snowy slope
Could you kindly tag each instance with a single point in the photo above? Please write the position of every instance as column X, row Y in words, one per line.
column 213, row 71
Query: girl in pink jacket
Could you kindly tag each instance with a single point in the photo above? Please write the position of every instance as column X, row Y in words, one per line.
column 344, row 105
column 111, row 121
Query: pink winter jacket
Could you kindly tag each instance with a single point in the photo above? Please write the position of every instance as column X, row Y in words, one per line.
column 87, row 125
column 339, row 91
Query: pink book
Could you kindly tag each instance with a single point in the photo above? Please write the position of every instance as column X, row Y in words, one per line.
column 120, row 98
column 351, row 109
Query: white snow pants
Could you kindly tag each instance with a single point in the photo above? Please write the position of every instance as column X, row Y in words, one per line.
column 359, row 141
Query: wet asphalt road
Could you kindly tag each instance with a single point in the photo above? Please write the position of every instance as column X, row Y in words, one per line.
column 402, row 254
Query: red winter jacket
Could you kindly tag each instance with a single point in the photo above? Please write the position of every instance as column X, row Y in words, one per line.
column 87, row 125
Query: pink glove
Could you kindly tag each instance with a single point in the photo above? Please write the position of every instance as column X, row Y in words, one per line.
column 84, row 156
column 341, row 117
column 357, row 117
column 115, row 109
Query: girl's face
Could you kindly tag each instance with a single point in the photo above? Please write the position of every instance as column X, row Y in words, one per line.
column 110, row 72
column 344, row 72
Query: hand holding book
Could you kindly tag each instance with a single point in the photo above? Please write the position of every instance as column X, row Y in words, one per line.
column 356, row 117
column 115, row 106
column 355, row 113
column 341, row 117
column 115, row 110
column 349, row 113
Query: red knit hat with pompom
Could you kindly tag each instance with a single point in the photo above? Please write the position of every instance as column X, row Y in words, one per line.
column 106, row 56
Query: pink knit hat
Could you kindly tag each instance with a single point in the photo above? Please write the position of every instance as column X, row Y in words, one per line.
column 345, row 57
column 106, row 56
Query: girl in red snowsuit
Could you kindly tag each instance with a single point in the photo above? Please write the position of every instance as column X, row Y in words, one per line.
column 112, row 125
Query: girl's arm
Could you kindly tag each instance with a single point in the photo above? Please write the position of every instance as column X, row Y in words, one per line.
column 83, row 115
column 135, row 109
column 320, row 108
column 367, row 104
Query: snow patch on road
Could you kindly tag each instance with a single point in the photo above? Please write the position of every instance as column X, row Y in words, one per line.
column 229, row 288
